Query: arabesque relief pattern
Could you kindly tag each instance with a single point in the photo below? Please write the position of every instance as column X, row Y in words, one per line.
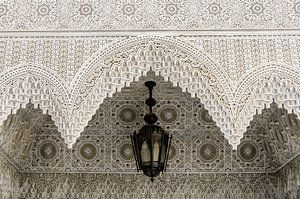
column 33, row 141
column 148, row 15
column 9, row 180
column 71, row 96
column 289, row 180
column 169, row 186
column 202, row 163
column 279, row 185
column 231, row 87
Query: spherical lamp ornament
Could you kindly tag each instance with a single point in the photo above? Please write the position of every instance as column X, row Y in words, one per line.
column 151, row 144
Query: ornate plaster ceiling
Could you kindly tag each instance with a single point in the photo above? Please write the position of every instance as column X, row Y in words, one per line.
column 32, row 141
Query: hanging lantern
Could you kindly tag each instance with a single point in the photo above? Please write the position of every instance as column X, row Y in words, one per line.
column 151, row 144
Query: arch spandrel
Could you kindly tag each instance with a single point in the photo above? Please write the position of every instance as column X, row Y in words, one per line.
column 111, row 69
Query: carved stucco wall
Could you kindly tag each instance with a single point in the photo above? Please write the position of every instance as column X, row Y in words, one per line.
column 169, row 186
column 9, row 179
column 284, row 184
column 69, row 76
column 202, row 163
column 289, row 180
column 54, row 87
column 34, row 143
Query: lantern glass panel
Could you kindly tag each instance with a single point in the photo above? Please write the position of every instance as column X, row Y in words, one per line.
column 156, row 144
column 145, row 152
column 164, row 143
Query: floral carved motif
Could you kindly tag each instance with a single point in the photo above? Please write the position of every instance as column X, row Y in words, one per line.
column 111, row 69
column 148, row 15
column 230, row 98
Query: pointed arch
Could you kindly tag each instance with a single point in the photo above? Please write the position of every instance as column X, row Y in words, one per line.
column 36, row 70
column 121, row 63
column 37, row 84
column 258, row 88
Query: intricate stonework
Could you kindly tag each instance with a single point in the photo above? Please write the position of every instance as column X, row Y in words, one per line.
column 232, row 84
column 148, row 15
column 137, row 186
column 168, row 115
column 288, row 179
column 88, row 151
column 34, row 142
column 198, row 149
column 146, row 53
column 126, row 151
column 127, row 115
column 208, row 151
column 48, row 150
column 9, row 179
column 248, row 151
column 64, row 119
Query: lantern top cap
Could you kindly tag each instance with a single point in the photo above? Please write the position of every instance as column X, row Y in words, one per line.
column 150, row 84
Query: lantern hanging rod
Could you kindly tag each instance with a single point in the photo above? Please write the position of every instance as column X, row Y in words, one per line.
column 150, row 118
column 150, row 101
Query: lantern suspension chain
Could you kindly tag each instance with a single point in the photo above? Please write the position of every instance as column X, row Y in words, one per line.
column 150, row 118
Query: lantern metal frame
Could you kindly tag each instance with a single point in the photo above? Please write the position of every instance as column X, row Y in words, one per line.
column 151, row 145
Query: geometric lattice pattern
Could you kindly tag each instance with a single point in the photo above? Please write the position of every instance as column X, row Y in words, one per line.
column 33, row 142
column 282, row 184
column 137, row 186
column 101, row 162
column 70, row 97
column 231, row 93
column 149, row 15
